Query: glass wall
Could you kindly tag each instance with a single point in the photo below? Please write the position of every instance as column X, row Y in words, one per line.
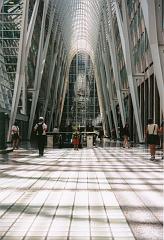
column 81, row 104
column 10, row 25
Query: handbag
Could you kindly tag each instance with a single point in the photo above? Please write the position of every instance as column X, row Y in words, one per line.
column 156, row 137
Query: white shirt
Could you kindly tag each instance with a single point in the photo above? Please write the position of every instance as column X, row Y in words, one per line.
column 14, row 129
column 55, row 130
column 152, row 129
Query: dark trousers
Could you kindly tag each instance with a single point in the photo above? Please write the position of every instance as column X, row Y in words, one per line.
column 41, row 144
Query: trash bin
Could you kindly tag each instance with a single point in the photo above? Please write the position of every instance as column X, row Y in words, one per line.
column 50, row 141
column 90, row 141
column 2, row 131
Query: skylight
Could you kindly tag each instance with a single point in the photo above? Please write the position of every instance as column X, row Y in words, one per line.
column 79, row 21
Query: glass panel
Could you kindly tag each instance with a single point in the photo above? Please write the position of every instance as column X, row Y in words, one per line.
column 10, row 24
column 79, row 21
column 81, row 104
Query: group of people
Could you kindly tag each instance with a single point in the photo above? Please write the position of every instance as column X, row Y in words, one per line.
column 40, row 131
column 152, row 135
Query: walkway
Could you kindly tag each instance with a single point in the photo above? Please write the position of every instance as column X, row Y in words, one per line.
column 90, row 194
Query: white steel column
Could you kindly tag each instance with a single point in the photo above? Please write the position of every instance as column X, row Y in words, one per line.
column 101, row 99
column 64, row 65
column 20, row 74
column 45, row 49
column 54, row 103
column 156, row 45
column 65, row 87
column 61, row 94
column 104, row 88
column 58, row 67
column 105, row 58
column 24, row 94
column 112, row 46
column 62, row 78
column 126, row 46
column 39, row 69
column 31, row 27
column 51, row 72
column 28, row 45
column 1, row 4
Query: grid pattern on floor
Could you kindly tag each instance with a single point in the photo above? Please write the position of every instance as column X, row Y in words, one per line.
column 74, row 195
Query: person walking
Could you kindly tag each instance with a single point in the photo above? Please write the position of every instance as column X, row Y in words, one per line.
column 151, row 134
column 126, row 135
column 76, row 139
column 15, row 136
column 40, row 129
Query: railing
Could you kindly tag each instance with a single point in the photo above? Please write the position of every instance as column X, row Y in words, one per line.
column 64, row 139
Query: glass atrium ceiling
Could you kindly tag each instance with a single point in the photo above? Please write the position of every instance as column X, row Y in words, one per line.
column 79, row 21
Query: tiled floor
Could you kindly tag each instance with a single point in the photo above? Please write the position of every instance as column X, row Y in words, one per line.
column 91, row 194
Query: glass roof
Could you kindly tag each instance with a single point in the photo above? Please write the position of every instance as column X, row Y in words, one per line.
column 79, row 22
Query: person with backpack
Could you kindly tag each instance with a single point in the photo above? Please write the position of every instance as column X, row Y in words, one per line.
column 40, row 129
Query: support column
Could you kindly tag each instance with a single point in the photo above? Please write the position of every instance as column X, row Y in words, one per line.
column 1, row 4
column 65, row 86
column 126, row 46
column 20, row 74
column 101, row 99
column 54, row 99
column 60, row 91
column 105, row 93
column 51, row 71
column 113, row 52
column 105, row 58
column 154, row 30
column 28, row 45
column 31, row 27
column 39, row 69
column 59, row 67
